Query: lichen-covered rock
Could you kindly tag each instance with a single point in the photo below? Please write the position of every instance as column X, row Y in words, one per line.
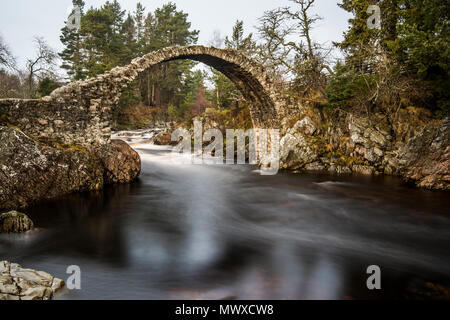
column 295, row 151
column 163, row 139
column 315, row 166
column 122, row 164
column 17, row 283
column 306, row 126
column 362, row 132
column 425, row 158
column 31, row 171
column 418, row 149
column 15, row 222
column 366, row 170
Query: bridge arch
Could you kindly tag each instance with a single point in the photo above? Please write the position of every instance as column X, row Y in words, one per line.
column 82, row 111
column 248, row 76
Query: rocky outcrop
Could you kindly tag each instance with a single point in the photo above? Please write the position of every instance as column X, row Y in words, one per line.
column 122, row 164
column 425, row 158
column 17, row 283
column 296, row 147
column 32, row 171
column 15, row 222
column 416, row 147
column 163, row 138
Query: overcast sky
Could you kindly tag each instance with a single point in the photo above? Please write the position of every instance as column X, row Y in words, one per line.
column 21, row 20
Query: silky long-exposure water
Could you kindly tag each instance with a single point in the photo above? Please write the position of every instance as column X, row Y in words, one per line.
column 226, row 232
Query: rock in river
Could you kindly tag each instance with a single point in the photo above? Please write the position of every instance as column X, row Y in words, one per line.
column 122, row 164
column 15, row 222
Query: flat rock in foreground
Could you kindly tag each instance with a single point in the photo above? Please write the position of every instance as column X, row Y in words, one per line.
column 17, row 283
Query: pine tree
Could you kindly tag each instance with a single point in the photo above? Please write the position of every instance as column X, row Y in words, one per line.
column 413, row 38
column 172, row 28
column 359, row 39
column 149, row 26
column 238, row 41
column 166, row 27
column 226, row 95
column 117, row 14
column 129, row 34
column 105, row 38
column 139, row 18
column 72, row 55
column 422, row 48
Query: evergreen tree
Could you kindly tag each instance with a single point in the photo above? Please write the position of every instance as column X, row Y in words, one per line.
column 139, row 17
column 359, row 38
column 238, row 41
column 226, row 95
column 413, row 39
column 422, row 40
column 116, row 13
column 106, row 38
column 130, row 45
column 422, row 47
column 172, row 28
column 167, row 27
column 46, row 86
column 149, row 25
column 72, row 55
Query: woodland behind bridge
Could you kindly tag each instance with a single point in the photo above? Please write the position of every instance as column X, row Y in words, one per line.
column 403, row 64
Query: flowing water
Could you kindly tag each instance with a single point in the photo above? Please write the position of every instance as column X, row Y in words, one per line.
column 216, row 232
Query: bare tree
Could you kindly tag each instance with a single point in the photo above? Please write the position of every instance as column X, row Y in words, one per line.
column 386, row 90
column 6, row 57
column 303, row 22
column 216, row 39
column 42, row 65
column 274, row 30
column 303, row 58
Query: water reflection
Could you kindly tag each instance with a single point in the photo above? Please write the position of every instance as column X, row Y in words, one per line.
column 217, row 232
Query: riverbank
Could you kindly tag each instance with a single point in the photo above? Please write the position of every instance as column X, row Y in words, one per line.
column 34, row 170
column 415, row 146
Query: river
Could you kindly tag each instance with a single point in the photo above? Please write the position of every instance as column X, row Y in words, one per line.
column 226, row 232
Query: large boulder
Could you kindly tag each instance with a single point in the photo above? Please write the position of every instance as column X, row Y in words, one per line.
column 15, row 222
column 31, row 171
column 122, row 164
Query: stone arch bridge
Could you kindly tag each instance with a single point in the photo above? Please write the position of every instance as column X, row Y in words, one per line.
column 81, row 112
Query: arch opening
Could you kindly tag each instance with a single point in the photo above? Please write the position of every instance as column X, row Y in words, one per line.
column 248, row 76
